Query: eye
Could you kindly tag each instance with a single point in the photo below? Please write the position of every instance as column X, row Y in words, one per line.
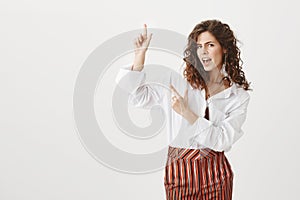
column 199, row 46
column 211, row 45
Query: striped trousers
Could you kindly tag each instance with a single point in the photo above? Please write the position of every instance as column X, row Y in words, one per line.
column 202, row 174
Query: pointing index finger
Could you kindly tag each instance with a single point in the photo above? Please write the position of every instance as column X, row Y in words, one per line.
column 145, row 30
column 175, row 91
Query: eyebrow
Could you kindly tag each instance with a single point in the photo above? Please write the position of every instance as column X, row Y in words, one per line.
column 206, row 42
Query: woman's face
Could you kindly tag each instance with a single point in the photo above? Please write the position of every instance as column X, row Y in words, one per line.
column 209, row 51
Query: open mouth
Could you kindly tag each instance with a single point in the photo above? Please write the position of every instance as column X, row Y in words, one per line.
column 206, row 61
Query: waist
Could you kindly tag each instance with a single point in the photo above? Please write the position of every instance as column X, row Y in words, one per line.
column 175, row 153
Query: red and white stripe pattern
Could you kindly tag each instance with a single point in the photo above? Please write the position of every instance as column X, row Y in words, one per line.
column 202, row 174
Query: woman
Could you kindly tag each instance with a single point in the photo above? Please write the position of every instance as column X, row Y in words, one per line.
column 211, row 110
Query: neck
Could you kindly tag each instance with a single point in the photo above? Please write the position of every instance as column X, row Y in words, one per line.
column 215, row 76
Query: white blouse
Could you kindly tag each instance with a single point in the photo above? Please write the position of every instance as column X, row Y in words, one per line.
column 227, row 109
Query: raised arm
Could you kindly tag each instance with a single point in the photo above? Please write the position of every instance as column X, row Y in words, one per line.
column 132, row 78
column 141, row 44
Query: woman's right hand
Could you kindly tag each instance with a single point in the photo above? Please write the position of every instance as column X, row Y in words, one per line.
column 142, row 42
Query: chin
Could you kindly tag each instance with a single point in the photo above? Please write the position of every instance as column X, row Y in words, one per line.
column 207, row 69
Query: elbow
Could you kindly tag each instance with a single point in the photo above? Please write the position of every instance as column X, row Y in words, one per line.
column 227, row 139
column 222, row 146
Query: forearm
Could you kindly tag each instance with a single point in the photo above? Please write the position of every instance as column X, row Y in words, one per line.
column 139, row 61
column 190, row 116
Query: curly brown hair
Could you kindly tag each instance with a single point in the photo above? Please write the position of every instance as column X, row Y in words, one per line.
column 194, row 71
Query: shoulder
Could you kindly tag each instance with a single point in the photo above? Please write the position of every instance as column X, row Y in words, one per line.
column 242, row 95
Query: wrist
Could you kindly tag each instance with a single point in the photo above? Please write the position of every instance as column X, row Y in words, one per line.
column 140, row 53
column 190, row 116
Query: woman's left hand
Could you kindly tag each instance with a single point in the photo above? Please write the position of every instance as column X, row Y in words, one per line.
column 180, row 105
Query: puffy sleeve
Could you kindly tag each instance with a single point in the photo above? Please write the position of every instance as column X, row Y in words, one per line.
column 222, row 135
column 141, row 93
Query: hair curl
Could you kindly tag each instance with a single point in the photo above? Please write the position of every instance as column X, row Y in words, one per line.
column 194, row 71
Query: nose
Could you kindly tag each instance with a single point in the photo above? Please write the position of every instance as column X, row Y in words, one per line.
column 204, row 50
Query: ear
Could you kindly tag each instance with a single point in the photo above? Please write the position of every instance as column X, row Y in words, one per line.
column 224, row 51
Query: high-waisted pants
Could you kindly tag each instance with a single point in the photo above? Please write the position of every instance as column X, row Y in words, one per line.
column 202, row 174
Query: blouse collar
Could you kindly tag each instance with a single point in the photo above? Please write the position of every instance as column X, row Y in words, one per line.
column 223, row 94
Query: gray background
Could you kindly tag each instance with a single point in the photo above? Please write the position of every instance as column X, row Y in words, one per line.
column 42, row 47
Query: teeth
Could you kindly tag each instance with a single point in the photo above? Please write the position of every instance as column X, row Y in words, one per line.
column 206, row 59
